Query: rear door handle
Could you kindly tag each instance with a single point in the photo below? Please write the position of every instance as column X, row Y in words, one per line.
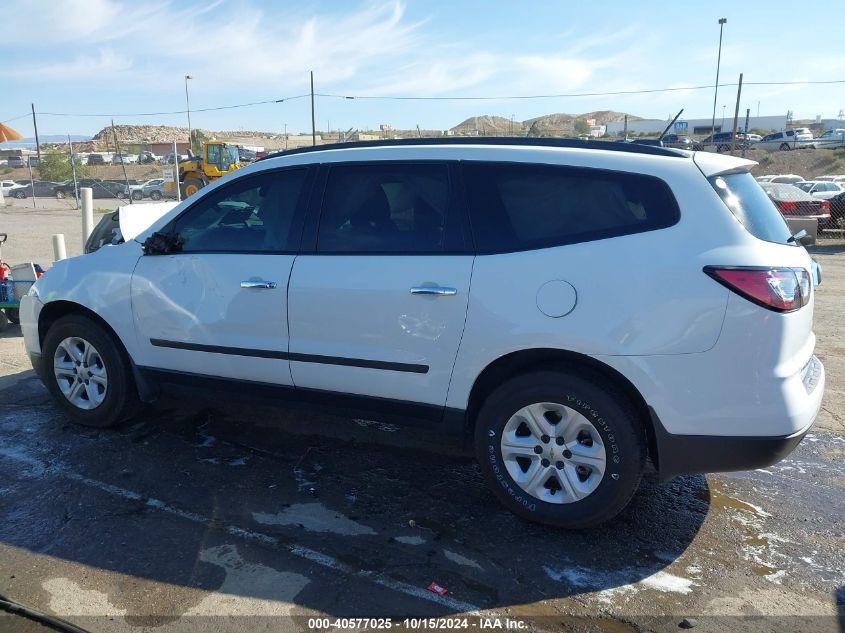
column 268, row 285
column 439, row 291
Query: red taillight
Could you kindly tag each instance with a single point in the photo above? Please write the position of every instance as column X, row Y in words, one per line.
column 786, row 206
column 778, row 289
column 826, row 206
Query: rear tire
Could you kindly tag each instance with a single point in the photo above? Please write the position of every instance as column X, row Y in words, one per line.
column 20, row 195
column 137, row 195
column 61, row 195
column 578, row 488
column 14, row 315
column 155, row 195
column 191, row 186
column 784, row 147
column 110, row 396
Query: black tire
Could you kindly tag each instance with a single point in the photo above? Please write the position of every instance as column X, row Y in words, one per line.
column 121, row 400
column 137, row 195
column 784, row 147
column 721, row 148
column 4, row 321
column 14, row 315
column 155, row 195
column 191, row 186
column 20, row 195
column 121, row 195
column 61, row 195
column 610, row 413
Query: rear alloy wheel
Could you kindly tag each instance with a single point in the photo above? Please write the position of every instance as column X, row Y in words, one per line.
column 785, row 147
column 87, row 372
column 61, row 195
column 155, row 195
column 560, row 447
column 137, row 195
column 20, row 195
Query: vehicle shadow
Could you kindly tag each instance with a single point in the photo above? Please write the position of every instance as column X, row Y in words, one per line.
column 384, row 508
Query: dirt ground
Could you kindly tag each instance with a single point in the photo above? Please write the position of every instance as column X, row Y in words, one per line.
column 204, row 515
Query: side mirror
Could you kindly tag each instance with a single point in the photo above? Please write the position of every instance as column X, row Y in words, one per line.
column 162, row 244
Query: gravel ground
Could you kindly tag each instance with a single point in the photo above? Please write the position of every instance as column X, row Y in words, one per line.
column 206, row 515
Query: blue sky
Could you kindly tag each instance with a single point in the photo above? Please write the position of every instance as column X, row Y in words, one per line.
column 113, row 57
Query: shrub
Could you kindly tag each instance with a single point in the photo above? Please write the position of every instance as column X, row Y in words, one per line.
column 57, row 167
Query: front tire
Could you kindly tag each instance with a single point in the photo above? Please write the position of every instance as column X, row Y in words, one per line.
column 61, row 195
column 155, row 195
column 559, row 449
column 88, row 373
column 137, row 195
column 20, row 195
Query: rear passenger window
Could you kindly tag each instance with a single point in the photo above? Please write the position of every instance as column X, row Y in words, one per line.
column 384, row 208
column 519, row 206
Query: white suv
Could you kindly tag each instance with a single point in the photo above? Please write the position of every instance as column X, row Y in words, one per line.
column 574, row 309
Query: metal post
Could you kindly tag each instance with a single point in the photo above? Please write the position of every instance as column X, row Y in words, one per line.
column 626, row 127
column 746, row 144
column 176, row 174
column 87, row 213
column 59, row 250
column 35, row 126
column 31, row 181
column 722, row 22
column 73, row 169
column 736, row 115
column 313, row 123
column 188, row 108
column 122, row 161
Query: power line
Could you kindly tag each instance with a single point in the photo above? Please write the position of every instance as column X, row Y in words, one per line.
column 16, row 118
column 131, row 114
column 578, row 94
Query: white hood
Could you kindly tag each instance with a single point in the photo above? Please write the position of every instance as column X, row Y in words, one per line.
column 136, row 218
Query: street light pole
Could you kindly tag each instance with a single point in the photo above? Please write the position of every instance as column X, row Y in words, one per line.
column 188, row 108
column 722, row 22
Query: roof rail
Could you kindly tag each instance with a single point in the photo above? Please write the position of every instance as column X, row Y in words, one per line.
column 521, row 141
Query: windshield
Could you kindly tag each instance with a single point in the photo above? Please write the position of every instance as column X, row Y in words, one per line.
column 749, row 203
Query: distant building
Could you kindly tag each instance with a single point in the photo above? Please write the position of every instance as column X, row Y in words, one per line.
column 598, row 130
column 698, row 127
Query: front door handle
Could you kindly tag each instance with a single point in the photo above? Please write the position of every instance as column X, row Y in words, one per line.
column 439, row 291
column 268, row 285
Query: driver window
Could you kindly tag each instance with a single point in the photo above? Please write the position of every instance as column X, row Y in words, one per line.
column 213, row 156
column 250, row 215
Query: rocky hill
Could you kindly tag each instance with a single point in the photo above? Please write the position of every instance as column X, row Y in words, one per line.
column 563, row 123
column 487, row 125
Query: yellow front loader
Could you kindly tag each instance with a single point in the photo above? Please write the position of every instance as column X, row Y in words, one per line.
column 217, row 159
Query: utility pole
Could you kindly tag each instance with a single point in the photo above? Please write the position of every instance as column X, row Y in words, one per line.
column 747, row 116
column 313, row 122
column 722, row 22
column 188, row 108
column 73, row 169
column 736, row 115
column 37, row 143
column 122, row 161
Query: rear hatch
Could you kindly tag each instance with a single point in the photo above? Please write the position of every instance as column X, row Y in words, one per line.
column 770, row 273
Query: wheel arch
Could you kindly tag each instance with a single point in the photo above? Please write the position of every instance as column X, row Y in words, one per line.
column 523, row 361
column 55, row 310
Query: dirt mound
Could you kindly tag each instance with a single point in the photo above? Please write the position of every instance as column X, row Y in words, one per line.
column 487, row 125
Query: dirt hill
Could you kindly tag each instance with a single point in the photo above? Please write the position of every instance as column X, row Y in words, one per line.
column 487, row 125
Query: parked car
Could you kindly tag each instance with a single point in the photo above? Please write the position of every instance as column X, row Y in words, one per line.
column 679, row 141
column 15, row 161
column 5, row 185
column 793, row 202
column 96, row 159
column 837, row 211
column 146, row 158
column 151, row 189
column 830, row 139
column 168, row 159
column 785, row 140
column 246, row 155
column 125, row 159
column 753, row 138
column 99, row 188
column 566, row 378
column 820, row 189
column 831, row 178
column 41, row 189
column 788, row 179
column 722, row 141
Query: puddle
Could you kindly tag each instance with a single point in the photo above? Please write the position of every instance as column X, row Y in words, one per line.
column 314, row 517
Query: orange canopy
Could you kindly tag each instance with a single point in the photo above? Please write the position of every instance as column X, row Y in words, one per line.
column 8, row 134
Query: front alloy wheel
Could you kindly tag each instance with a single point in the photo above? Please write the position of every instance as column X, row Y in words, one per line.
column 80, row 373
column 553, row 453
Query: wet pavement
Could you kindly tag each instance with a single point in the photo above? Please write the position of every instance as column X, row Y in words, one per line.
column 205, row 514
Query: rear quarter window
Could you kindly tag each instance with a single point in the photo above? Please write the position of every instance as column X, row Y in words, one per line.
column 750, row 204
column 516, row 206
